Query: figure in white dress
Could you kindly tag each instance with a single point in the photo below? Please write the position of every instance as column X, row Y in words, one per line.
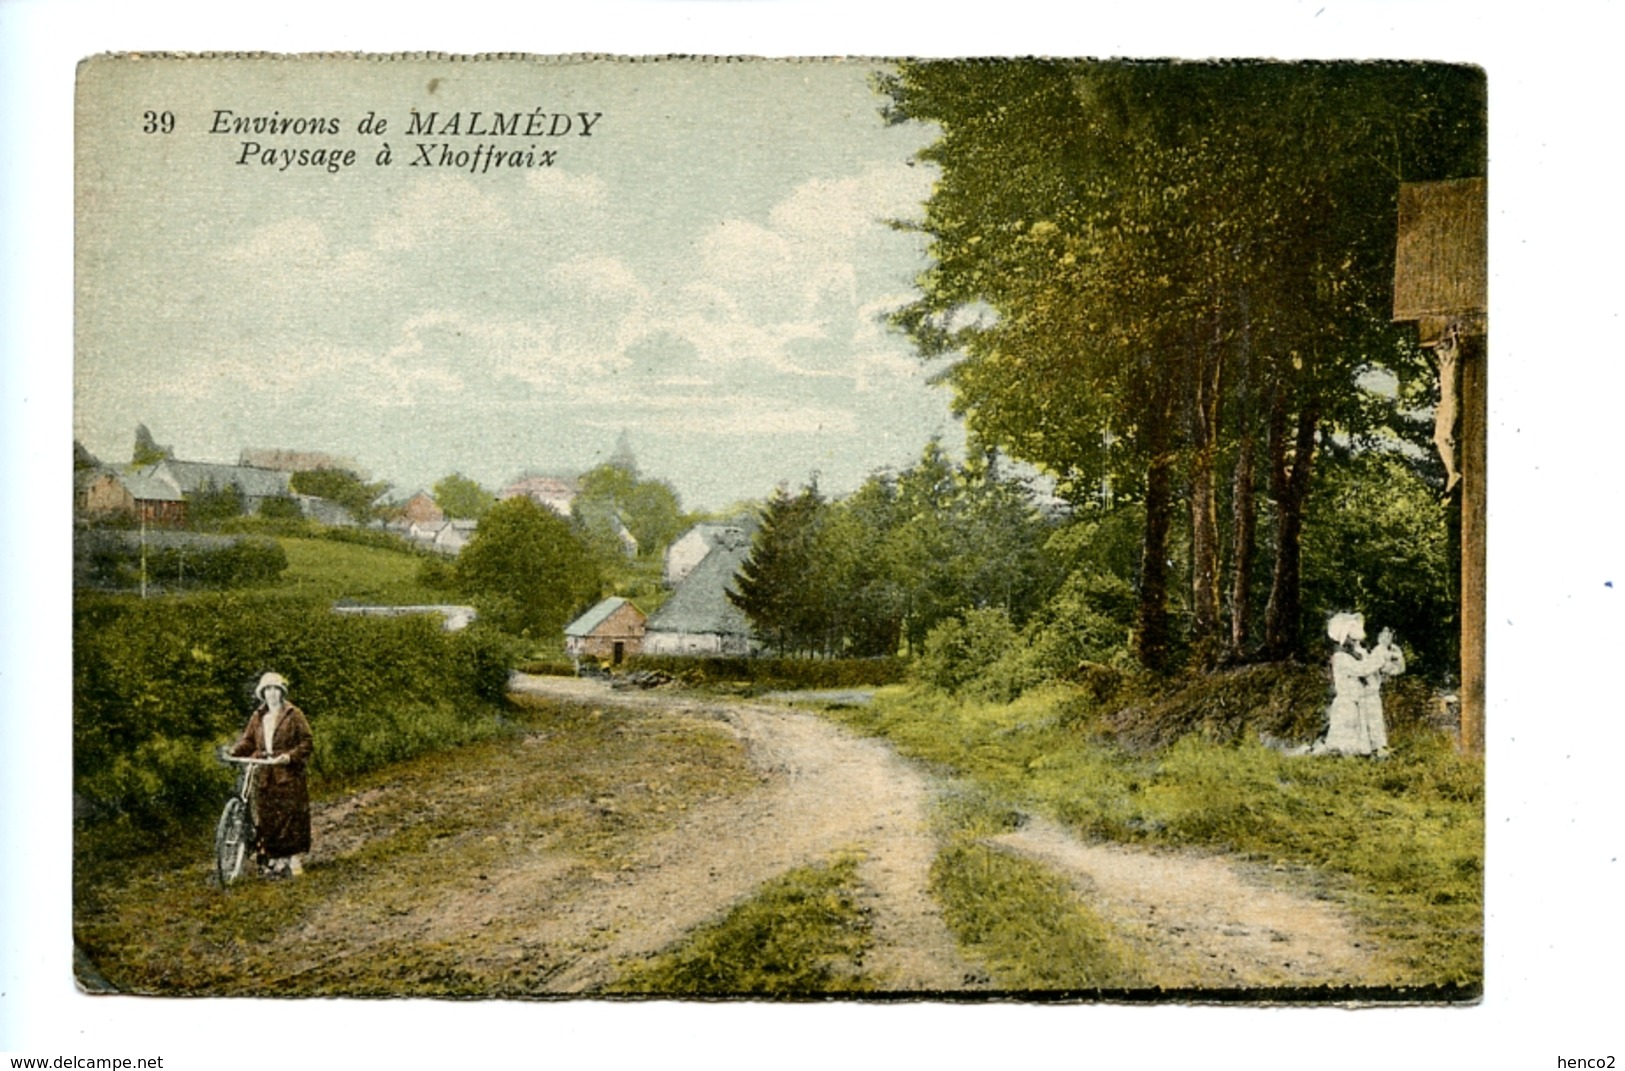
column 1355, row 724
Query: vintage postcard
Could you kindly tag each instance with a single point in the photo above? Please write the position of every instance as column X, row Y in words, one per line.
column 582, row 527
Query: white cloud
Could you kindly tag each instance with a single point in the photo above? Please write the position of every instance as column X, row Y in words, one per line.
column 557, row 187
column 439, row 208
column 828, row 216
column 597, row 277
column 295, row 255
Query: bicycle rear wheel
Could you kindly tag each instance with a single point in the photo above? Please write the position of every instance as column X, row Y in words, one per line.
column 231, row 837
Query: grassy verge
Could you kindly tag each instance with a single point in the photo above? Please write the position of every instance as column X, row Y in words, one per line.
column 400, row 896
column 1399, row 841
column 1029, row 929
column 802, row 934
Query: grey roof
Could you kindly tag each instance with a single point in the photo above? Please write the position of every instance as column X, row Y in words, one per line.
column 700, row 604
column 584, row 625
column 145, row 485
column 193, row 476
column 715, row 532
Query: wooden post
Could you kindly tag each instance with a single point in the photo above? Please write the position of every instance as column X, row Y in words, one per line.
column 1474, row 398
column 1440, row 284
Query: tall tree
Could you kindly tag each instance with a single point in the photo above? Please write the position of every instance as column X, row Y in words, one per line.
column 147, row 451
column 459, row 496
column 780, row 585
column 529, row 569
column 343, row 486
column 1142, row 263
column 648, row 508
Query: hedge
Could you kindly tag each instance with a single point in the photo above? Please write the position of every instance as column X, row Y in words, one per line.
column 776, row 672
column 111, row 559
column 160, row 683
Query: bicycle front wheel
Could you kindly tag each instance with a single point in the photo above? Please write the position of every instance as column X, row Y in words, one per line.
column 231, row 837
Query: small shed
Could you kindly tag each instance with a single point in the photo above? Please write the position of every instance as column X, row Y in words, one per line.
column 613, row 629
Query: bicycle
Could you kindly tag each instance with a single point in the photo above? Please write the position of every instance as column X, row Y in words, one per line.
column 234, row 834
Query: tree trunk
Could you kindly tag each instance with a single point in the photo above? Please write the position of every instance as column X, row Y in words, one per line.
column 1243, row 501
column 1205, row 621
column 1151, row 631
column 1289, row 485
column 1244, row 506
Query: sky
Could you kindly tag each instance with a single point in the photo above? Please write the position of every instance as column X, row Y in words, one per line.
column 709, row 270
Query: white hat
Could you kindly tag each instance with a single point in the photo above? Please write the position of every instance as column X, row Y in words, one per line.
column 271, row 680
column 1343, row 626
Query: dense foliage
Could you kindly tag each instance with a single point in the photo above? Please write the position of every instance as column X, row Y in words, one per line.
column 342, row 486
column 529, row 570
column 459, row 496
column 614, row 499
column 879, row 569
column 114, row 560
column 158, row 683
column 1163, row 280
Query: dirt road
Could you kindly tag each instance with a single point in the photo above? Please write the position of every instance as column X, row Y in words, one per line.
column 1198, row 920
column 825, row 791
column 496, row 870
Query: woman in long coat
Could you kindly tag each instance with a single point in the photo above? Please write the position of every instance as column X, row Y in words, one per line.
column 277, row 730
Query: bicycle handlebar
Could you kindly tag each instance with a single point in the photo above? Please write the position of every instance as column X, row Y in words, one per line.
column 245, row 761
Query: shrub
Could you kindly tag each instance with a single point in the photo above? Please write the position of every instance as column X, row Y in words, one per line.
column 158, row 683
column 778, row 673
column 962, row 649
column 112, row 560
column 528, row 570
column 281, row 508
column 437, row 573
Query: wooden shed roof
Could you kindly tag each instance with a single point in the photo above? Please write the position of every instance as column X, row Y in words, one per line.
column 1441, row 264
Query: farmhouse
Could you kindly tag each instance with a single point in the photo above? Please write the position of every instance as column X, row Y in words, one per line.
column 552, row 492
column 454, row 536
column 614, row 629
column 699, row 618
column 421, row 509
column 256, row 485
column 139, row 495
column 690, row 548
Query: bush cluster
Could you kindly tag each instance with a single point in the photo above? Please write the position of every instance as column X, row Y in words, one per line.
column 158, row 684
column 981, row 653
column 111, row 560
column 776, row 672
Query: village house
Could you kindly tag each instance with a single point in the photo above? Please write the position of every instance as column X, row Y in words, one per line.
column 157, row 494
column 421, row 509
column 256, row 485
column 293, row 460
column 554, row 493
column 140, row 495
column 690, row 548
column 323, row 511
column 699, row 618
column 454, row 536
column 612, row 630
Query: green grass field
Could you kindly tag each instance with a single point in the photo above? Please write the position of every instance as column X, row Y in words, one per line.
column 330, row 570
